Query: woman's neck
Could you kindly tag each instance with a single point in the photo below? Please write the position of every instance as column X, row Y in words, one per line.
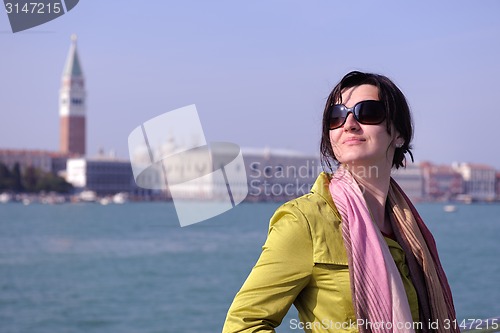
column 374, row 182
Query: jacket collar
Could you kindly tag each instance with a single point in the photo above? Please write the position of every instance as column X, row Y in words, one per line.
column 321, row 187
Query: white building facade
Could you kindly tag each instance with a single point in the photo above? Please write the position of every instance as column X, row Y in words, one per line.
column 102, row 176
column 479, row 180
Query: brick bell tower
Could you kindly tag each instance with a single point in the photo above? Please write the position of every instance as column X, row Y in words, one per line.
column 72, row 105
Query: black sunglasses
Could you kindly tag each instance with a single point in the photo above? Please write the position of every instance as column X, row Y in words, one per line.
column 365, row 112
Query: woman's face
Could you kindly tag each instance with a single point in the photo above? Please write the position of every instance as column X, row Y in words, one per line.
column 358, row 144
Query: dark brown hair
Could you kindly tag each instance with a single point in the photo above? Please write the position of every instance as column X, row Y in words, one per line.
column 396, row 108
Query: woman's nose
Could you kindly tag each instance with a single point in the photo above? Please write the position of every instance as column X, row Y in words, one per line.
column 351, row 124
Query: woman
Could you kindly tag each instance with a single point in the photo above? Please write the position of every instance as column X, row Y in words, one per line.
column 353, row 255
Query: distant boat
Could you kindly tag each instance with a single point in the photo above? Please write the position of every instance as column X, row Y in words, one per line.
column 88, row 196
column 105, row 201
column 450, row 208
column 5, row 197
column 120, row 198
column 465, row 198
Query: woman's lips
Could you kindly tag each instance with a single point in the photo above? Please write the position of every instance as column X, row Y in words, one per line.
column 353, row 141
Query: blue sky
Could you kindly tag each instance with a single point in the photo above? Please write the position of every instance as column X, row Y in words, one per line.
column 259, row 72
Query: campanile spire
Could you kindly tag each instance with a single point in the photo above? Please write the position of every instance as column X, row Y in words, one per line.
column 72, row 104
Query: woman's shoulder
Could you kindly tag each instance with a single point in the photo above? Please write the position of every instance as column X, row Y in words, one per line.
column 317, row 212
column 313, row 205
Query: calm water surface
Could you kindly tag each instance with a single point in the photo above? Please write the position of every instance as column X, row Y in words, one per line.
column 131, row 268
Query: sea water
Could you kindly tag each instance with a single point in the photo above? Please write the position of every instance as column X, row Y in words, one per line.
column 79, row 268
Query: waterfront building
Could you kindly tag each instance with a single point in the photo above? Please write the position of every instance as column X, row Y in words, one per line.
column 214, row 172
column 479, row 180
column 497, row 188
column 279, row 174
column 194, row 174
column 411, row 180
column 39, row 159
column 103, row 176
column 72, row 105
column 189, row 173
column 441, row 182
column 43, row 160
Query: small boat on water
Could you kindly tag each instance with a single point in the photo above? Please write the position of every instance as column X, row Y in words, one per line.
column 5, row 197
column 87, row 196
column 105, row 201
column 120, row 198
column 450, row 208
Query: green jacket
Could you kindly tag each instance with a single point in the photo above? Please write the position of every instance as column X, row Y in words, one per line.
column 304, row 262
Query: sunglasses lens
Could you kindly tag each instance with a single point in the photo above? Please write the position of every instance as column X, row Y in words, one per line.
column 337, row 116
column 370, row 112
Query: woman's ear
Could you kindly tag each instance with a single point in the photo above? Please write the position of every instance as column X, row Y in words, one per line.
column 399, row 141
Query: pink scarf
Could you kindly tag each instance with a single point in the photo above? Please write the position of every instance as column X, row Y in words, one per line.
column 378, row 294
